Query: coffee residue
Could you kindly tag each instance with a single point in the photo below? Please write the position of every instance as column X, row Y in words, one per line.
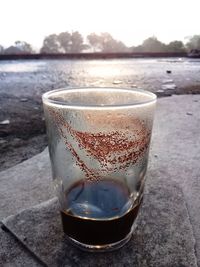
column 114, row 150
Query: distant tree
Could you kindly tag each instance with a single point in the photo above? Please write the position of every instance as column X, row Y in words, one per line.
column 119, row 46
column 13, row 50
column 64, row 39
column 24, row 47
column 138, row 48
column 76, row 42
column 63, row 42
column 51, row 44
column 1, row 49
column 95, row 42
column 194, row 42
column 85, row 47
column 109, row 44
column 175, row 46
column 105, row 43
column 151, row 44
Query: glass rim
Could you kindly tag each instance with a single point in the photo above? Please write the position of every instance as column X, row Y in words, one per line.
column 46, row 97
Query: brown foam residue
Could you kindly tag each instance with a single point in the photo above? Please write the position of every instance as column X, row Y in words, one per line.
column 114, row 150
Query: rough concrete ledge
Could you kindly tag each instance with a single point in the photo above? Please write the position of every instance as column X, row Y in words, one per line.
column 13, row 253
column 25, row 184
column 163, row 236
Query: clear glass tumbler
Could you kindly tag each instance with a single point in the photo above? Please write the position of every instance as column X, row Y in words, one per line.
column 98, row 143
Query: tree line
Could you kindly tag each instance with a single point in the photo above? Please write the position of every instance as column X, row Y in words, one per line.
column 66, row 42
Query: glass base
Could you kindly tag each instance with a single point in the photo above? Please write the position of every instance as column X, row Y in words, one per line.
column 101, row 248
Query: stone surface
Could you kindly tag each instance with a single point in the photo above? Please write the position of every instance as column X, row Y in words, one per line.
column 166, row 81
column 174, row 157
column 25, row 185
column 169, row 86
column 13, row 254
column 163, row 236
column 176, row 139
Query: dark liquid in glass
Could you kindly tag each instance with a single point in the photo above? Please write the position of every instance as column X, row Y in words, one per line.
column 98, row 213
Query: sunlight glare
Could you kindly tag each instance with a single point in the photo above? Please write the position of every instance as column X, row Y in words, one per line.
column 103, row 69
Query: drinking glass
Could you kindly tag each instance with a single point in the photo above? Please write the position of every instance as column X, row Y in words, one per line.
column 98, row 144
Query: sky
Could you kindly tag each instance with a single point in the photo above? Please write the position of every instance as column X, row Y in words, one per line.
column 130, row 21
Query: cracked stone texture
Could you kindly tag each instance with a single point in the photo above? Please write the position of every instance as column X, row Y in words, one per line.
column 13, row 254
column 174, row 156
column 25, row 184
column 163, row 236
column 176, row 151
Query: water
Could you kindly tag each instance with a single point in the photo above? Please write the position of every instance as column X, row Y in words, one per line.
column 29, row 77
